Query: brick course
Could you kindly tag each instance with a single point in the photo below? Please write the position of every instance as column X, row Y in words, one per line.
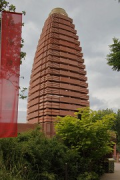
column 58, row 78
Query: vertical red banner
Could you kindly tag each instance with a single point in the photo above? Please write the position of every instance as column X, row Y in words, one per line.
column 11, row 25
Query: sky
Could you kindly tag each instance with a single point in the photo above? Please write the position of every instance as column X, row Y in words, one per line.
column 97, row 22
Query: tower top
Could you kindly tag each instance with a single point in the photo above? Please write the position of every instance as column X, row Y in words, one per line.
column 58, row 11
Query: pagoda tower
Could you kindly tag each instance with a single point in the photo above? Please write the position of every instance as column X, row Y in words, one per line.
column 58, row 78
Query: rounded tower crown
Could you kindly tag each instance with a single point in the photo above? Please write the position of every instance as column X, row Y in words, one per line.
column 58, row 11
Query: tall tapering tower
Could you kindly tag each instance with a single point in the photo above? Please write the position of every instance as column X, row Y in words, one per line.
column 58, row 79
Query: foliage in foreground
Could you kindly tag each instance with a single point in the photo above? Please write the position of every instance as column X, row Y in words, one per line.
column 116, row 126
column 77, row 150
column 89, row 136
column 32, row 156
column 117, row 129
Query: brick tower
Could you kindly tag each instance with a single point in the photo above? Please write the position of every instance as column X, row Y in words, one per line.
column 58, row 79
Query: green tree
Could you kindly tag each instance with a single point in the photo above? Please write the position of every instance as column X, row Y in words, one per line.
column 116, row 125
column 113, row 58
column 90, row 136
column 117, row 129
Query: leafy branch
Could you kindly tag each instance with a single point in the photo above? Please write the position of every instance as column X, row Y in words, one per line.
column 22, row 93
column 113, row 58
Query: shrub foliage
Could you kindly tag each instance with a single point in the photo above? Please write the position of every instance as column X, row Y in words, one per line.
column 76, row 152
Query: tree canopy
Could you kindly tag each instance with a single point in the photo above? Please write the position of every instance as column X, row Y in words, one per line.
column 113, row 58
column 90, row 135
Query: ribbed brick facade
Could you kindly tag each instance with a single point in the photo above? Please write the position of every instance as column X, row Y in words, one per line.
column 58, row 79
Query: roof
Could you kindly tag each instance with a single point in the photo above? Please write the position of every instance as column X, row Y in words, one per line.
column 58, row 11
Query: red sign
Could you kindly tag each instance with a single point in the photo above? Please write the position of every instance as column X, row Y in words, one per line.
column 11, row 25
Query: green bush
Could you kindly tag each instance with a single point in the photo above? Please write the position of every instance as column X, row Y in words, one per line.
column 79, row 147
column 88, row 176
column 32, row 156
column 47, row 176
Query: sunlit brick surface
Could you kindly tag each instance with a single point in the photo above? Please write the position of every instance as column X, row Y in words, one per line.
column 58, row 79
